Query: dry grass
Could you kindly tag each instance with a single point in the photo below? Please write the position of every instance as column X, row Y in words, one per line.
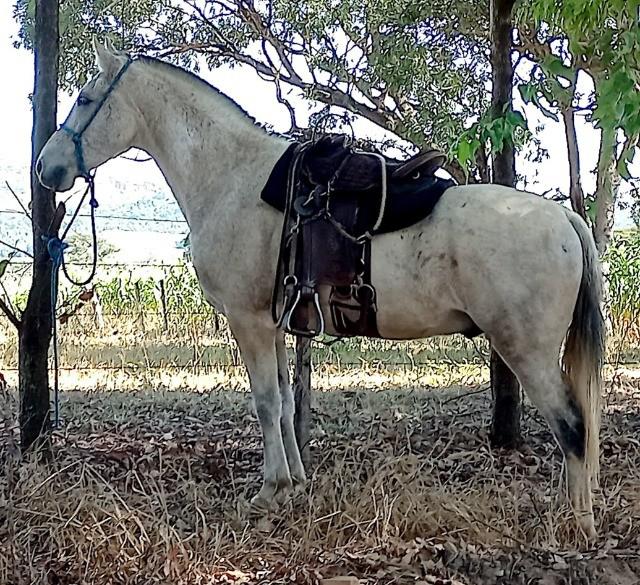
column 123, row 356
column 151, row 487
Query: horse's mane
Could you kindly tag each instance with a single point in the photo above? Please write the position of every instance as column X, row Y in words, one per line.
column 195, row 79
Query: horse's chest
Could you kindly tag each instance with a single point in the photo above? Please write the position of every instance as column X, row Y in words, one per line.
column 233, row 267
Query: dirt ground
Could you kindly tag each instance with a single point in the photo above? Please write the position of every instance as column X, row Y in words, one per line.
column 152, row 487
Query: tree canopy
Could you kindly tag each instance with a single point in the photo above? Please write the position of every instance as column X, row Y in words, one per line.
column 419, row 70
column 600, row 42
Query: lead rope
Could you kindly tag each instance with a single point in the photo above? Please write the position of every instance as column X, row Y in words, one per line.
column 56, row 247
column 93, row 204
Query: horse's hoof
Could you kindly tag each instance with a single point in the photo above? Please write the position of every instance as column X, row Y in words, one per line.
column 299, row 479
column 271, row 496
column 260, row 507
column 587, row 525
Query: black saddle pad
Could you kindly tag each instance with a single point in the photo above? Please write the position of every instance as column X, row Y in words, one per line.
column 408, row 201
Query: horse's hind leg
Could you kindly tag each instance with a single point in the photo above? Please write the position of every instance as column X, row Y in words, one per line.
column 288, row 411
column 547, row 387
column 257, row 343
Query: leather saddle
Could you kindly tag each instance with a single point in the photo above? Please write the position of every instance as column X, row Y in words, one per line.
column 349, row 170
column 335, row 199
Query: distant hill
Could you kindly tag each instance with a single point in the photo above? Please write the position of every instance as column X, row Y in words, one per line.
column 145, row 207
column 137, row 212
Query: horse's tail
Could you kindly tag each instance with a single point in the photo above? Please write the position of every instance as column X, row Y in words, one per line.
column 585, row 345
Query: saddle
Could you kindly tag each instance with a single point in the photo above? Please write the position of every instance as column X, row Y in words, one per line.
column 335, row 199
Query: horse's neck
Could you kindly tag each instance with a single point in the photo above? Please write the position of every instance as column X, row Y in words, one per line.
column 208, row 150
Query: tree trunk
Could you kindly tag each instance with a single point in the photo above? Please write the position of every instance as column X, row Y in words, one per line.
column 505, row 426
column 576, row 194
column 607, row 184
column 302, row 396
column 35, row 331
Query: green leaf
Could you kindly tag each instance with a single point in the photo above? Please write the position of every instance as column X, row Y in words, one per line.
column 466, row 149
column 554, row 65
column 623, row 164
column 516, row 120
column 3, row 266
column 623, row 169
column 528, row 93
column 591, row 208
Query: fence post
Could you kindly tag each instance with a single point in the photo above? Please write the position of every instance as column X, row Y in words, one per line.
column 163, row 302
column 139, row 300
column 302, row 397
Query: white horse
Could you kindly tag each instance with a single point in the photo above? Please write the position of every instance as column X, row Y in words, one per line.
column 522, row 269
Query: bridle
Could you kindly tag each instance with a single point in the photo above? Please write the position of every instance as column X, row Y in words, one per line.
column 76, row 135
column 57, row 245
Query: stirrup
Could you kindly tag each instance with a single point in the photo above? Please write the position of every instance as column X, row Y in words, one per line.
column 289, row 328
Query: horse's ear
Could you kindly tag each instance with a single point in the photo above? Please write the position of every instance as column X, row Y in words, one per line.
column 109, row 46
column 108, row 59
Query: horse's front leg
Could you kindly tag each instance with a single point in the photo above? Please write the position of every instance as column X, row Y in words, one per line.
column 296, row 468
column 257, row 343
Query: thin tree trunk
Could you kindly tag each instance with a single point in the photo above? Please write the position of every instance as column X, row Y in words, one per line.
column 482, row 162
column 607, row 184
column 576, row 194
column 302, row 397
column 504, row 167
column 505, row 426
column 35, row 332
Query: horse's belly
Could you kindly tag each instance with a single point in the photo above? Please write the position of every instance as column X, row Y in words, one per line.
column 414, row 308
column 414, row 289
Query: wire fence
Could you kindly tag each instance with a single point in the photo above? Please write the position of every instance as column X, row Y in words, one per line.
column 150, row 324
column 109, row 216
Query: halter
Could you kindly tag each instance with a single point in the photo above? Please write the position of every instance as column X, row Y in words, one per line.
column 56, row 245
column 76, row 135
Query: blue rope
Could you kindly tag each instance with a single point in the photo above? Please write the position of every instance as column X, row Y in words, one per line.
column 56, row 248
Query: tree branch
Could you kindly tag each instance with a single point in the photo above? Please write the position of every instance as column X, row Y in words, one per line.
column 263, row 30
column 10, row 314
column 327, row 94
column 576, row 193
column 16, row 249
column 528, row 43
column 605, row 190
column 15, row 196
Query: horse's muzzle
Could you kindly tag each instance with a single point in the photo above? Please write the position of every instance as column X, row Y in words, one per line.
column 54, row 177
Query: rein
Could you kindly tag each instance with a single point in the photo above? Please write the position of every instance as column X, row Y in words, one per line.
column 57, row 245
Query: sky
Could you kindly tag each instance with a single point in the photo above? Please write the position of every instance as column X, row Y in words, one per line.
column 257, row 97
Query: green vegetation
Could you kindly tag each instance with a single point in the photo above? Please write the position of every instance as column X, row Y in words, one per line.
column 157, row 318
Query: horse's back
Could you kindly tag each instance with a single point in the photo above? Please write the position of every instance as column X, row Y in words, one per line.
column 486, row 251
column 496, row 205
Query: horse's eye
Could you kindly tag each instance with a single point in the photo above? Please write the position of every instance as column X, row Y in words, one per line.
column 83, row 100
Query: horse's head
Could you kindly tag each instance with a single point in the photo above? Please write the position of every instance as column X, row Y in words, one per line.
column 101, row 124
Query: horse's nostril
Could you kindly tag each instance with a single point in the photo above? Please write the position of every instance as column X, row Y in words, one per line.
column 56, row 176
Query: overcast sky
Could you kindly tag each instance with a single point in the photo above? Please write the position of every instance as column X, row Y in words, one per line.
column 256, row 97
